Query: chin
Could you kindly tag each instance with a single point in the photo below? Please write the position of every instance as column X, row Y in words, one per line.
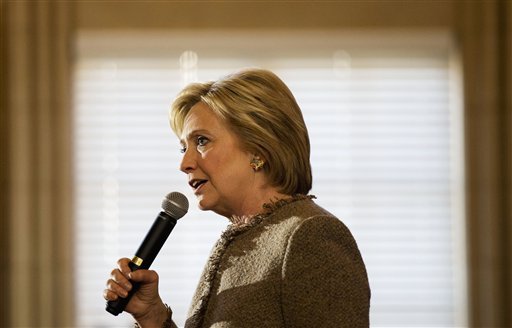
column 203, row 204
column 209, row 205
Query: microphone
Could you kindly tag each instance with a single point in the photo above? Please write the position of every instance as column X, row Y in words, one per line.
column 175, row 206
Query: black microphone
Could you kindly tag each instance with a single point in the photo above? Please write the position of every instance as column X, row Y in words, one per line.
column 174, row 206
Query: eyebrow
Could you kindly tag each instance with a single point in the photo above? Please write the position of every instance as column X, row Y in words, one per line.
column 193, row 133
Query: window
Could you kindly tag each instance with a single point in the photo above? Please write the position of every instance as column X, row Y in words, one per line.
column 385, row 130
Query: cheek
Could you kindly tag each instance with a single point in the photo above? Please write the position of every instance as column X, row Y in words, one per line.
column 230, row 169
column 216, row 165
column 226, row 163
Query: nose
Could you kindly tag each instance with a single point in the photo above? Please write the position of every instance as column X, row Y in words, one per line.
column 188, row 162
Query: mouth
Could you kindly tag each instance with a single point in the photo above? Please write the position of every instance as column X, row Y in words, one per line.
column 196, row 183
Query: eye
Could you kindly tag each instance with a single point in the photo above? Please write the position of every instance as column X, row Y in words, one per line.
column 183, row 148
column 201, row 141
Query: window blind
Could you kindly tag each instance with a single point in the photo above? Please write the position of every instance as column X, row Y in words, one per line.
column 386, row 155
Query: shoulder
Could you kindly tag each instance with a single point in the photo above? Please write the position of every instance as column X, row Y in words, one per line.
column 323, row 273
column 306, row 217
column 307, row 229
column 318, row 234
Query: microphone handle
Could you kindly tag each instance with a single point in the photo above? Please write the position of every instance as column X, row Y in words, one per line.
column 145, row 255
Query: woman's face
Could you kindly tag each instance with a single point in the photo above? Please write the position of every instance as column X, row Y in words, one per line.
column 218, row 169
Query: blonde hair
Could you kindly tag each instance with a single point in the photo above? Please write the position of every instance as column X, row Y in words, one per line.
column 261, row 110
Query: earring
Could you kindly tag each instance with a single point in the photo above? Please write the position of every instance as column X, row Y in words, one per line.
column 257, row 163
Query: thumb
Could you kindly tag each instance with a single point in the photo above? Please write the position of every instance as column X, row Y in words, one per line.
column 148, row 286
column 146, row 296
column 144, row 276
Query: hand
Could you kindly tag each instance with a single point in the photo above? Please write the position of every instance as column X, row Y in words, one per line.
column 146, row 305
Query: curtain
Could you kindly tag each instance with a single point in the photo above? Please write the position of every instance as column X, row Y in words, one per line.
column 36, row 164
column 485, row 34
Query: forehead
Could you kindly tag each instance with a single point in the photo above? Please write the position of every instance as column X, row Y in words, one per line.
column 201, row 118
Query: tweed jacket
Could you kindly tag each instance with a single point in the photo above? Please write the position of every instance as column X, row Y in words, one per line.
column 296, row 266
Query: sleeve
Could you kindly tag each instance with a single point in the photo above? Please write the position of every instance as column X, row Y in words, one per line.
column 324, row 278
column 168, row 323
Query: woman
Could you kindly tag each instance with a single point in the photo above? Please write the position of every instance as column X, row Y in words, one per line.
column 283, row 261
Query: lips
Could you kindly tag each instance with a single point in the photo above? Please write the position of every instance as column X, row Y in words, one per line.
column 196, row 183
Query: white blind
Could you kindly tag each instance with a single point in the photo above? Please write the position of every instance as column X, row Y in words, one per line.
column 386, row 155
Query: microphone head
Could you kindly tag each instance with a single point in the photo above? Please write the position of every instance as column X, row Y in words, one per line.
column 175, row 204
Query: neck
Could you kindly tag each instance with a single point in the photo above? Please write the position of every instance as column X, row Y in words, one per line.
column 256, row 206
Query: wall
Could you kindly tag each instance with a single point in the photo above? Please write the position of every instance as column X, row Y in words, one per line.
column 95, row 15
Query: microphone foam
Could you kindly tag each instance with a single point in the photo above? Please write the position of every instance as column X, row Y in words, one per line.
column 175, row 204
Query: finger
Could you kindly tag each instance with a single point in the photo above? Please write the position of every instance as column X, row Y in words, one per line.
column 110, row 295
column 120, row 279
column 122, row 264
column 116, row 288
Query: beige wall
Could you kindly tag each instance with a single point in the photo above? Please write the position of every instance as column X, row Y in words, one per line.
column 95, row 15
